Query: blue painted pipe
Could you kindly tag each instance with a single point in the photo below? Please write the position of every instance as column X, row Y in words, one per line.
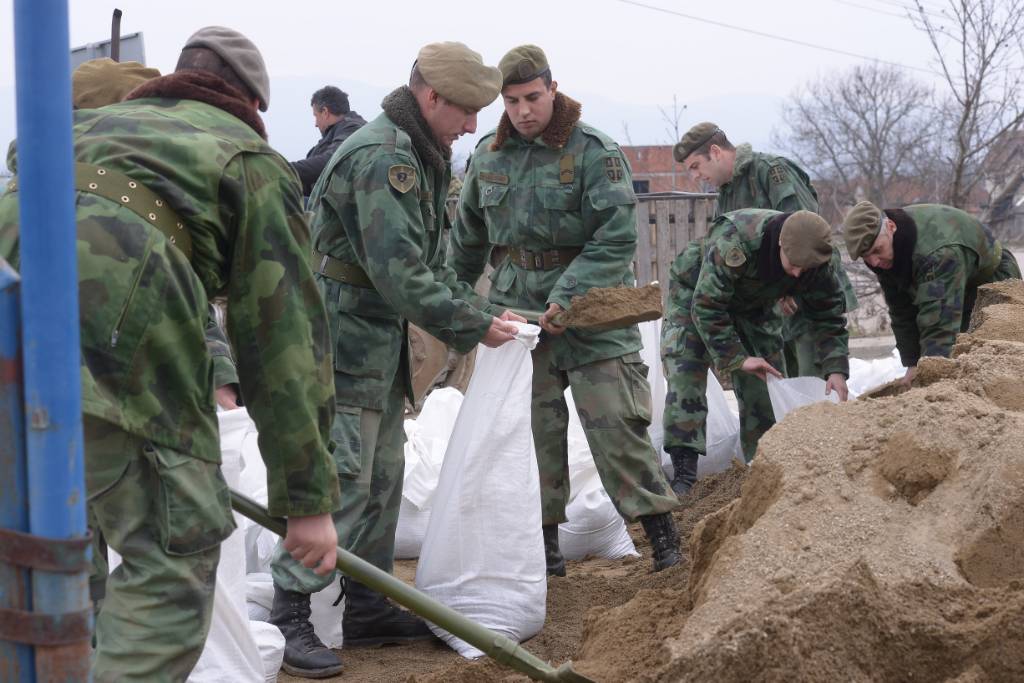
column 49, row 308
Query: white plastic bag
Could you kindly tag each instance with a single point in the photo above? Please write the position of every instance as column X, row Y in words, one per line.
column 869, row 374
column 483, row 554
column 795, row 392
column 722, row 432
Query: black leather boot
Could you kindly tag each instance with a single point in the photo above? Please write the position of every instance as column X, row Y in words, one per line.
column 552, row 555
column 684, row 466
column 371, row 619
column 305, row 655
column 661, row 532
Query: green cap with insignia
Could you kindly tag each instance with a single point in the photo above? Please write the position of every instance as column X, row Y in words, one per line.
column 806, row 239
column 99, row 82
column 861, row 228
column 459, row 74
column 523, row 64
column 693, row 139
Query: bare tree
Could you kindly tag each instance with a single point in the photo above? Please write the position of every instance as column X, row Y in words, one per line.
column 672, row 120
column 864, row 133
column 979, row 48
column 625, row 133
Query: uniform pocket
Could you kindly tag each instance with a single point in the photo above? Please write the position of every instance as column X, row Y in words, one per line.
column 348, row 441
column 635, row 375
column 193, row 504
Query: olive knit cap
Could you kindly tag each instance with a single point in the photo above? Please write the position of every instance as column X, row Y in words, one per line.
column 99, row 82
column 693, row 139
column 522, row 64
column 459, row 74
column 805, row 239
column 861, row 228
column 240, row 54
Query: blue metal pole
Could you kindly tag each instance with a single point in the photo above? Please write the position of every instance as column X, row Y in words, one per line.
column 16, row 661
column 50, row 334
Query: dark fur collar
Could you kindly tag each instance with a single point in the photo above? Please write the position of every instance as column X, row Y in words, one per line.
column 769, row 258
column 903, row 242
column 564, row 117
column 203, row 87
column 403, row 109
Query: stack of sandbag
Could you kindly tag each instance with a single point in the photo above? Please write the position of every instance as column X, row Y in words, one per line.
column 483, row 554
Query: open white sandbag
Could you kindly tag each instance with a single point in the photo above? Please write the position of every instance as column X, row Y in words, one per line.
column 483, row 554
column 869, row 374
column 722, row 432
column 795, row 392
column 650, row 336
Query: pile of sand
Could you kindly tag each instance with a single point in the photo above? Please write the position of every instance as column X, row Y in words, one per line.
column 876, row 540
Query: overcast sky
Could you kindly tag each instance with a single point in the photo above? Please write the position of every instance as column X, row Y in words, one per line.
column 620, row 59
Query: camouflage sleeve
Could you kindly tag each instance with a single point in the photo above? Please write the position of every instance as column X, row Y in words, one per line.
column 711, row 299
column 278, row 329
column 903, row 318
column 787, row 190
column 388, row 242
column 940, row 300
column 682, row 278
column 470, row 246
column 609, row 216
column 824, row 307
column 447, row 275
column 220, row 351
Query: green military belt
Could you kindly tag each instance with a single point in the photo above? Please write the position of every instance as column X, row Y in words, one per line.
column 542, row 260
column 349, row 273
column 134, row 196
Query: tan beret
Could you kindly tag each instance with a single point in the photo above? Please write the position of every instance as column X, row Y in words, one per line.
column 459, row 74
column 694, row 138
column 861, row 228
column 806, row 239
column 522, row 64
column 100, row 82
column 240, row 54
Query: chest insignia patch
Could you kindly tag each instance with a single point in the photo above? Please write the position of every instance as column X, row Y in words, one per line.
column 777, row 175
column 402, row 177
column 734, row 258
column 566, row 169
column 498, row 178
column 613, row 169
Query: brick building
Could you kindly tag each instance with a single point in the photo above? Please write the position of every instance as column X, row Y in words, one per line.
column 654, row 170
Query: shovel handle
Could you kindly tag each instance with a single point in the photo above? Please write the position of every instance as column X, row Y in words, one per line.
column 534, row 316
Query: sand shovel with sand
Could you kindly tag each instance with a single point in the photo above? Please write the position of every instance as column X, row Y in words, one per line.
column 500, row 648
column 607, row 308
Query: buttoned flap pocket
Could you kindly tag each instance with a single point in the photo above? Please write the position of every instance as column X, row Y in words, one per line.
column 194, row 508
column 502, row 278
column 609, row 195
column 348, row 441
column 635, row 377
column 430, row 221
column 492, row 195
column 561, row 198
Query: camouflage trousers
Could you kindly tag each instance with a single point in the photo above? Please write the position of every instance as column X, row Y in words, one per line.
column 686, row 361
column 166, row 514
column 371, row 462
column 613, row 401
column 801, row 357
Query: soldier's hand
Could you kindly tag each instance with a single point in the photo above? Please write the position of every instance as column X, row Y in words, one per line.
column 510, row 316
column 758, row 366
column 788, row 305
column 547, row 320
column 908, row 379
column 226, row 396
column 498, row 333
column 836, row 382
column 313, row 541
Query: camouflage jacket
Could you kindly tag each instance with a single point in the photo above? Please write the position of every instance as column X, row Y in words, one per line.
column 570, row 187
column 143, row 305
column 741, row 275
column 380, row 205
column 951, row 254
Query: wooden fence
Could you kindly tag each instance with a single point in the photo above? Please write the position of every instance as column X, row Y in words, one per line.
column 665, row 224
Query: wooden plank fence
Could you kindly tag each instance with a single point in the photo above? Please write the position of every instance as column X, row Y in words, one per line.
column 665, row 224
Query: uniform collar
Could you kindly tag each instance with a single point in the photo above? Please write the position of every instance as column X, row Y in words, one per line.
column 404, row 111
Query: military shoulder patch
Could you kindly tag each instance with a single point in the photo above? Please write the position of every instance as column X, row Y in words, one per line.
column 777, row 175
column 613, row 169
column 402, row 177
column 734, row 258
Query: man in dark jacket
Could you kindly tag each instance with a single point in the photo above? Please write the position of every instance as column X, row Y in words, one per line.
column 335, row 122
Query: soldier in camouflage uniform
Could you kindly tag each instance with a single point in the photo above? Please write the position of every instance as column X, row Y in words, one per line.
column 745, row 180
column 723, row 292
column 554, row 196
column 380, row 260
column 930, row 260
column 190, row 148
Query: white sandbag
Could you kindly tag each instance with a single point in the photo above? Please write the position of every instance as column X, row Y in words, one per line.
column 722, row 432
column 412, row 528
column 483, row 554
column 650, row 336
column 795, row 392
column 426, row 443
column 869, row 374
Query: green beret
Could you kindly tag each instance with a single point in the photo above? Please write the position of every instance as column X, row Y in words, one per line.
column 459, row 74
column 240, row 54
column 861, row 228
column 806, row 239
column 100, row 82
column 694, row 138
column 522, row 64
